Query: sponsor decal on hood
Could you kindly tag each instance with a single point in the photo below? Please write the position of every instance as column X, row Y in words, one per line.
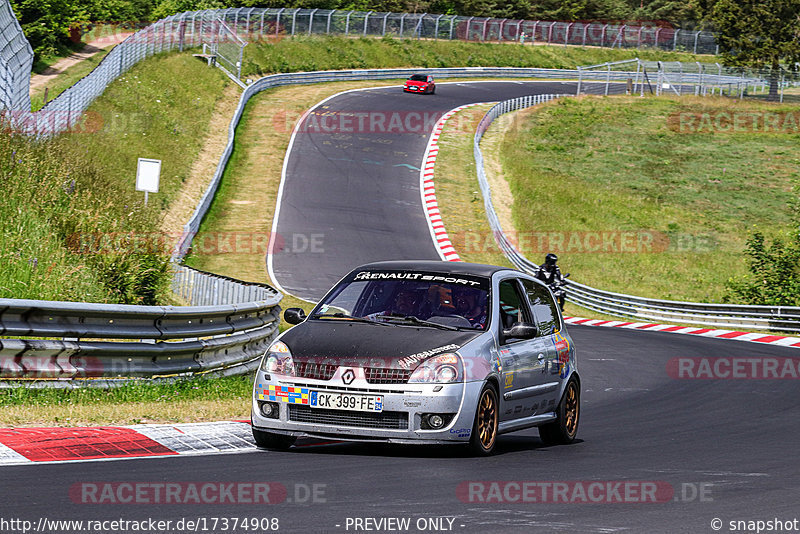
column 408, row 361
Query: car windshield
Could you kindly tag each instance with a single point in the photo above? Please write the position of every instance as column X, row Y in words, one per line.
column 452, row 301
column 418, row 78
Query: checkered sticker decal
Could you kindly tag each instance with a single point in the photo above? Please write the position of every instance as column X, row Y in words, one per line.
column 291, row 395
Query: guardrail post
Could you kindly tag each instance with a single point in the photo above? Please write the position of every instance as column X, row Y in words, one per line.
column 608, row 78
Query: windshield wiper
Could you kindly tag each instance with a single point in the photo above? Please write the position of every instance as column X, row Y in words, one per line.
column 340, row 315
column 417, row 321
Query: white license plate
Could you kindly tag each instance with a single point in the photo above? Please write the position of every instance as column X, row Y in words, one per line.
column 345, row 401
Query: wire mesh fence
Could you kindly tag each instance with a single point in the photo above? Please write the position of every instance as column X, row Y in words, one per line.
column 228, row 29
column 17, row 58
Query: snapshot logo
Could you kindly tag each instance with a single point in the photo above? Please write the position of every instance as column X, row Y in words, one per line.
column 581, row 491
column 195, row 493
column 733, row 368
column 689, row 122
column 578, row 242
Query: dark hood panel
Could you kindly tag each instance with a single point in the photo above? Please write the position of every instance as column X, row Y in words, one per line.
column 366, row 345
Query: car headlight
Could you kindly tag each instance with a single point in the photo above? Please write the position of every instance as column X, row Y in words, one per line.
column 278, row 360
column 443, row 369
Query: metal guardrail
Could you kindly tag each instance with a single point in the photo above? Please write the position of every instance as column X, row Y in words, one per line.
column 774, row 318
column 225, row 331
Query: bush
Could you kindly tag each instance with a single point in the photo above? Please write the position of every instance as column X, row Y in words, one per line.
column 774, row 278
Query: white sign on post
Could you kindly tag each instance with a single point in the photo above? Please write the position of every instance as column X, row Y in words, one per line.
column 148, row 173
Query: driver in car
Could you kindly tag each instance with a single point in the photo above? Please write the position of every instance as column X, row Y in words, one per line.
column 404, row 303
column 472, row 308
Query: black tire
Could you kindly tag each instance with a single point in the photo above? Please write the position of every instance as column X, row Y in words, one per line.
column 563, row 430
column 433, row 91
column 484, row 430
column 268, row 440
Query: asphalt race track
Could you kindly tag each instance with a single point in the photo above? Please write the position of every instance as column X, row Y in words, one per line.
column 734, row 440
column 724, row 449
column 356, row 193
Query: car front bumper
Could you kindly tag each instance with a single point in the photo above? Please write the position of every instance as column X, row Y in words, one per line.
column 401, row 420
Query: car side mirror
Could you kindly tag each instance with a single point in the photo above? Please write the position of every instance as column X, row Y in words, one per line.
column 294, row 315
column 521, row 331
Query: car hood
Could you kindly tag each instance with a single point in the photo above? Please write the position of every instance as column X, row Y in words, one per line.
column 416, row 83
column 371, row 345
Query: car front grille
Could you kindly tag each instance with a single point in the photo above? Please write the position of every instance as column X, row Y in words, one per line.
column 388, row 420
column 379, row 375
column 316, row 371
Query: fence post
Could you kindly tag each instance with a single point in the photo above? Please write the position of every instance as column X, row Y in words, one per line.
column 580, row 80
column 347, row 23
column 696, row 35
column 278, row 21
column 383, row 31
column 675, row 41
column 452, row 22
column 566, row 35
column 435, row 31
column 328, row 25
column 311, row 19
column 608, row 77
column 294, row 20
column 366, row 20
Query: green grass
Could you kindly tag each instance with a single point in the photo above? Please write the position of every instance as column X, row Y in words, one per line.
column 614, row 165
column 186, row 400
column 186, row 389
column 308, row 53
column 58, row 192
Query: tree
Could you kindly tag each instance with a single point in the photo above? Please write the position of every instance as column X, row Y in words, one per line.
column 758, row 34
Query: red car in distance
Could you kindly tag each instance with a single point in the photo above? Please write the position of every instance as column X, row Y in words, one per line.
column 420, row 83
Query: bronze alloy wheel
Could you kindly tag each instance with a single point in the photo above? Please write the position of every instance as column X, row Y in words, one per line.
column 571, row 410
column 487, row 419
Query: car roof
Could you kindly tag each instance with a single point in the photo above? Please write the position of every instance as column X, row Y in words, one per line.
column 447, row 267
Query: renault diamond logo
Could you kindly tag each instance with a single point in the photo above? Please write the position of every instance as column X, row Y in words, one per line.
column 348, row 376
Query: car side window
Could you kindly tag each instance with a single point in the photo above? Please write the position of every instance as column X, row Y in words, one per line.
column 513, row 308
column 543, row 306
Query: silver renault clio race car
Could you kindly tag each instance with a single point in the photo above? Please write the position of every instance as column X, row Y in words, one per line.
column 421, row 352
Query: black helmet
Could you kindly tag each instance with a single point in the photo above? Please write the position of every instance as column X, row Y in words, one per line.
column 550, row 259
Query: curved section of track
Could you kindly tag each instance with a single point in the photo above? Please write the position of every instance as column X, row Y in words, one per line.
column 350, row 189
